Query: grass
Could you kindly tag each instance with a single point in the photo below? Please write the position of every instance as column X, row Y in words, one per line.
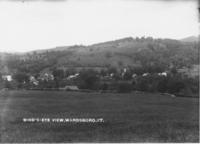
column 127, row 117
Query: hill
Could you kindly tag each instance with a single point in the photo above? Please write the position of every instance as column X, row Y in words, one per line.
column 126, row 52
column 190, row 39
column 59, row 48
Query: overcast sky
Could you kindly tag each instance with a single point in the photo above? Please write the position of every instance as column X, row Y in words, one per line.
column 30, row 25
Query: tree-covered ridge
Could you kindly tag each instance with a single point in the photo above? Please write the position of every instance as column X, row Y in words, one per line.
column 147, row 53
column 144, row 64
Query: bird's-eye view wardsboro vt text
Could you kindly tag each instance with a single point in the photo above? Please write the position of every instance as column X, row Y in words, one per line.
column 99, row 71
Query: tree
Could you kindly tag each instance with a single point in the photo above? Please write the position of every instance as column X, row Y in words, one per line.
column 70, row 71
column 88, row 79
column 104, row 86
column 162, row 84
column 21, row 77
column 128, row 75
column 108, row 54
column 112, row 70
column 103, row 72
column 175, row 84
column 142, row 84
column 21, row 80
column 58, row 73
column 120, row 63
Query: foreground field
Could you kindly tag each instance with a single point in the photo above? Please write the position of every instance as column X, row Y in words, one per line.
column 127, row 117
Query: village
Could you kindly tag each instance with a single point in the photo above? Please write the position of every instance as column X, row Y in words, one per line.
column 89, row 79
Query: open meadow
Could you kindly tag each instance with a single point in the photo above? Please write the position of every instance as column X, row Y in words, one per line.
column 132, row 117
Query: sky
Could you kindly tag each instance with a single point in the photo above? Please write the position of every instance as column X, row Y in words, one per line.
column 29, row 25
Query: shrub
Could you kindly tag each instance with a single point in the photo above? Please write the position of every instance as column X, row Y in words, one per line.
column 175, row 84
column 104, row 86
column 88, row 80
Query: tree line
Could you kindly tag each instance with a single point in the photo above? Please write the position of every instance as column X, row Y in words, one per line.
column 111, row 80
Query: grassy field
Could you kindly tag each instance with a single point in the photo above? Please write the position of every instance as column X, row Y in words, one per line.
column 127, row 117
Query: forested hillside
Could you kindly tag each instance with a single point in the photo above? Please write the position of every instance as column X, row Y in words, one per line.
column 147, row 53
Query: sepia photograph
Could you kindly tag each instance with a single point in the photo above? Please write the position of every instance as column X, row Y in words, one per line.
column 99, row 71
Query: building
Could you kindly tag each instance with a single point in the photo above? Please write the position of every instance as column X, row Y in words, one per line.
column 70, row 87
column 7, row 77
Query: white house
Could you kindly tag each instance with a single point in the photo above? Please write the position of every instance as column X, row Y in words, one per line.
column 145, row 74
column 7, row 77
column 134, row 75
column 124, row 72
column 112, row 74
column 70, row 87
column 33, row 80
column 46, row 76
column 72, row 76
column 162, row 74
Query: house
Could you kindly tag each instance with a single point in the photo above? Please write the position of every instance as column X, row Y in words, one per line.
column 73, row 76
column 7, row 77
column 162, row 74
column 112, row 74
column 33, row 80
column 46, row 76
column 145, row 74
column 134, row 75
column 124, row 72
column 70, row 87
column 106, row 78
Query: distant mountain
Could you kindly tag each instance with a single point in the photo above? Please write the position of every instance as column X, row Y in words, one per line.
column 190, row 39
